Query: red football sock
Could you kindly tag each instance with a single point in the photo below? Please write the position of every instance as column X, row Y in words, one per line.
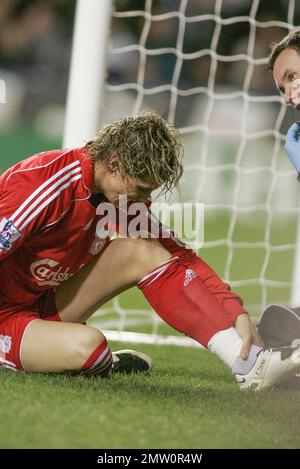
column 99, row 362
column 181, row 298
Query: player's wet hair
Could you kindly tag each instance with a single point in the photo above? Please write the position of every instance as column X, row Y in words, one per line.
column 148, row 148
column 292, row 40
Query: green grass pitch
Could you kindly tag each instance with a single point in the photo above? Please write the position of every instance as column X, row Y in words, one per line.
column 189, row 401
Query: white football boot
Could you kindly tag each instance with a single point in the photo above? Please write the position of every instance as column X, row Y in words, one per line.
column 131, row 361
column 273, row 365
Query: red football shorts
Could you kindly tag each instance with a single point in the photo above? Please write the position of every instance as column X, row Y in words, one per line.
column 14, row 324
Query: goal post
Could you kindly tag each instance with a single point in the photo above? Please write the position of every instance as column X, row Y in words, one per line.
column 87, row 71
column 203, row 66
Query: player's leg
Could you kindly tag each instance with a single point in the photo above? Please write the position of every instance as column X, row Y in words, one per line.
column 124, row 361
column 180, row 298
column 118, row 268
column 175, row 291
column 123, row 263
column 170, row 285
column 49, row 346
column 194, row 309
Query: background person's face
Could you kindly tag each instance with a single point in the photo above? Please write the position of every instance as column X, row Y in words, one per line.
column 286, row 74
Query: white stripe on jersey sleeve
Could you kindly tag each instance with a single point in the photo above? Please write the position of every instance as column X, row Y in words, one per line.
column 43, row 186
column 48, row 201
column 44, row 195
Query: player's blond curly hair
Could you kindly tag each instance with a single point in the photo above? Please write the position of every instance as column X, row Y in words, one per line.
column 148, row 148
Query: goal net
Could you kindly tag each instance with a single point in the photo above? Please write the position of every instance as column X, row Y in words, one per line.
column 202, row 65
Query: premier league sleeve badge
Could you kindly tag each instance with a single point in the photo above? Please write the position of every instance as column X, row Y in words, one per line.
column 8, row 234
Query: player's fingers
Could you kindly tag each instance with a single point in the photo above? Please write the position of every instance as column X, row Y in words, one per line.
column 246, row 346
column 256, row 339
column 259, row 341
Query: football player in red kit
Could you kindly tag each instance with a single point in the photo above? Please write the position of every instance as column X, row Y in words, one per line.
column 56, row 270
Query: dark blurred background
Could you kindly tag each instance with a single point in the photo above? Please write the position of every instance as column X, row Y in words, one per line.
column 35, row 47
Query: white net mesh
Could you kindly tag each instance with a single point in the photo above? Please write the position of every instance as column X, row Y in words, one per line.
column 202, row 65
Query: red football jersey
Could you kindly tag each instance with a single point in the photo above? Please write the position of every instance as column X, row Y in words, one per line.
column 48, row 222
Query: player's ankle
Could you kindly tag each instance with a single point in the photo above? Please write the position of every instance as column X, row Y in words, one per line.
column 226, row 344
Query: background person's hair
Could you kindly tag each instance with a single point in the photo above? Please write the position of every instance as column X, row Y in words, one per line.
column 148, row 149
column 292, row 40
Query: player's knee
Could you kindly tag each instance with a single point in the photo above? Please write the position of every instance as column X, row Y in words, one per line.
column 85, row 344
column 152, row 251
column 140, row 256
column 149, row 254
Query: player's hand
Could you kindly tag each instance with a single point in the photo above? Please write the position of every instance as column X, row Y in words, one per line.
column 292, row 145
column 248, row 333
